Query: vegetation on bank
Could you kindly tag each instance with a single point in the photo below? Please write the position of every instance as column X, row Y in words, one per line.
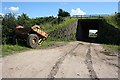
column 113, row 20
column 112, row 47
column 50, row 27
column 48, row 24
column 12, row 49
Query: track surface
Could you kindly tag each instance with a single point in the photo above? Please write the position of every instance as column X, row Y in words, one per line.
column 70, row 60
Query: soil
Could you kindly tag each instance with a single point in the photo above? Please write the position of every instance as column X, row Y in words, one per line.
column 62, row 60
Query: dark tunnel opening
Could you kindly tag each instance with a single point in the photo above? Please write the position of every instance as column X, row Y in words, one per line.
column 88, row 30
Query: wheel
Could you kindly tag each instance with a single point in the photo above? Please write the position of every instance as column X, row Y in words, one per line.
column 32, row 40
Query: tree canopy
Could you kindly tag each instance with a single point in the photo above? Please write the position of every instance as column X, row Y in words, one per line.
column 63, row 13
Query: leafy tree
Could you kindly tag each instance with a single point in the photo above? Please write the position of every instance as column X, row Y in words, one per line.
column 63, row 13
column 8, row 26
column 24, row 20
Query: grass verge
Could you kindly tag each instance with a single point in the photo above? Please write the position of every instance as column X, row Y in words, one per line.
column 49, row 27
column 112, row 47
column 12, row 49
column 112, row 21
column 50, row 41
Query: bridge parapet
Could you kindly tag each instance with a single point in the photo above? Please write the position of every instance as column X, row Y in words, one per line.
column 89, row 16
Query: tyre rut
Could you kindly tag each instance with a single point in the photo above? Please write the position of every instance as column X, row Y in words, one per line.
column 55, row 68
column 88, row 62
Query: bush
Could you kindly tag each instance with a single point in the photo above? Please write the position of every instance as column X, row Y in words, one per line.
column 8, row 27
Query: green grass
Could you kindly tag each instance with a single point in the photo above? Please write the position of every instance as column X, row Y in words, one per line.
column 49, row 27
column 111, row 20
column 50, row 41
column 59, row 40
column 45, row 44
column 112, row 47
column 10, row 49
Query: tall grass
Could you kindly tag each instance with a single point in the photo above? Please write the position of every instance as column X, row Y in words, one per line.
column 48, row 27
column 112, row 21
column 10, row 49
column 112, row 47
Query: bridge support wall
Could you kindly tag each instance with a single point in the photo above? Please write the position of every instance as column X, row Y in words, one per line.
column 79, row 30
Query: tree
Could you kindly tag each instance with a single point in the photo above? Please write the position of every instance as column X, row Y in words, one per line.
column 63, row 13
column 24, row 20
column 9, row 20
column 8, row 26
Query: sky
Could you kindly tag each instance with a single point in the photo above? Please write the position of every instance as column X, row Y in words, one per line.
column 41, row 9
column 119, row 7
column 93, row 31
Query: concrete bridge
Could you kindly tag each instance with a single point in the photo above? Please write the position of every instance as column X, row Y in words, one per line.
column 79, row 30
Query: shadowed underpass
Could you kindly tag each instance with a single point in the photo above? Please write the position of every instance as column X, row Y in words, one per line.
column 106, row 33
column 83, row 27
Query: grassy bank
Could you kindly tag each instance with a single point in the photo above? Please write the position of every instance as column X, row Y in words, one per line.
column 113, row 20
column 112, row 47
column 12, row 49
column 48, row 27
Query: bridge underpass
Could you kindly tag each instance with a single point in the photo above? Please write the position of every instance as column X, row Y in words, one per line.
column 83, row 28
column 80, row 31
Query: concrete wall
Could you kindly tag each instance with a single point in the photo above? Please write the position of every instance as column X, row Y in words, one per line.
column 67, row 32
column 106, row 32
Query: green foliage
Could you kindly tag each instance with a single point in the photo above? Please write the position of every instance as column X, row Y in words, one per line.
column 10, row 49
column 117, row 19
column 49, row 27
column 60, row 19
column 10, row 22
column 24, row 20
column 61, row 40
column 42, row 20
column 63, row 13
column 112, row 47
column 113, row 20
column 8, row 26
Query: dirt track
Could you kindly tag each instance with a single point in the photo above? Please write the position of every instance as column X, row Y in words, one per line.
column 71, row 60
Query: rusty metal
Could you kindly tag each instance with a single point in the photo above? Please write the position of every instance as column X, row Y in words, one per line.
column 22, row 33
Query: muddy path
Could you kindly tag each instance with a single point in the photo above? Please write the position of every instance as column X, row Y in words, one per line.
column 71, row 60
